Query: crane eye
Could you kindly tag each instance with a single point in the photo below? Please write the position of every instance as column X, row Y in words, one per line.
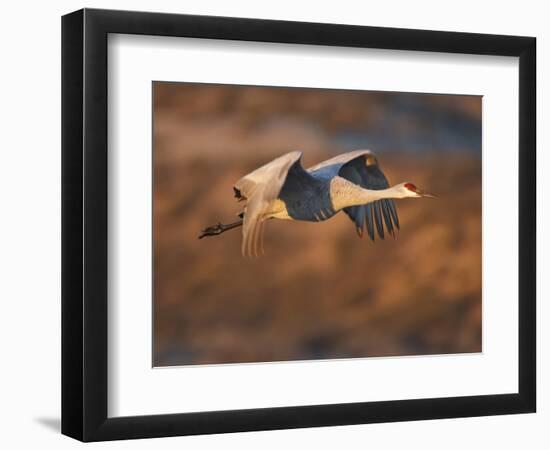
column 410, row 187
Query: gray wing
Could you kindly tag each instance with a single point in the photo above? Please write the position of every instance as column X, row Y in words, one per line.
column 364, row 171
column 259, row 188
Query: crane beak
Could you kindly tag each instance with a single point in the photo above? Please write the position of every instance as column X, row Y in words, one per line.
column 425, row 194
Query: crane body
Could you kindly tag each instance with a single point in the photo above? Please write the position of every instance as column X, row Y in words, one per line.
column 283, row 189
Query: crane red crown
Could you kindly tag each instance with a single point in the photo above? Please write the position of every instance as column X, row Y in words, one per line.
column 410, row 187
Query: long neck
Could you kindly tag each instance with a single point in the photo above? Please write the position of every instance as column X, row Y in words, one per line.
column 344, row 193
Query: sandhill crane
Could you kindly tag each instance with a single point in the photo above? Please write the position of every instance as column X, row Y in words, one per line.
column 283, row 189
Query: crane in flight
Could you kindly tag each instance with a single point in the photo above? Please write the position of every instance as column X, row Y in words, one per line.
column 283, row 189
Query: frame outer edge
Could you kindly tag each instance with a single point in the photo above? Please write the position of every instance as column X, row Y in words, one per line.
column 72, row 88
column 527, row 233
column 95, row 242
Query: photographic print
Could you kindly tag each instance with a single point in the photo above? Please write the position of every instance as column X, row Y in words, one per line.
column 294, row 224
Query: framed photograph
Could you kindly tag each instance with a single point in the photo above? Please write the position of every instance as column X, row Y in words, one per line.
column 273, row 224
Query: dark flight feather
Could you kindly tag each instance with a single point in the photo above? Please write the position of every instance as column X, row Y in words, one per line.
column 379, row 212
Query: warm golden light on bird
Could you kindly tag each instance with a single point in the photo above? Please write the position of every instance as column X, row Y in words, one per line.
column 283, row 189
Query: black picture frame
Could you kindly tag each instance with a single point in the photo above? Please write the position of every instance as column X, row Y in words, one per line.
column 84, row 224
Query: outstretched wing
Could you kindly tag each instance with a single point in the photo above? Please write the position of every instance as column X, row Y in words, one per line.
column 364, row 171
column 333, row 165
column 259, row 188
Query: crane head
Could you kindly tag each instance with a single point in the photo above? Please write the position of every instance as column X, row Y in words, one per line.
column 410, row 190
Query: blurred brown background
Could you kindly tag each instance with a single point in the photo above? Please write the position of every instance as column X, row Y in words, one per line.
column 320, row 291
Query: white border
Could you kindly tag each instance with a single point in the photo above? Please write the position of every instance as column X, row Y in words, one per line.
column 135, row 388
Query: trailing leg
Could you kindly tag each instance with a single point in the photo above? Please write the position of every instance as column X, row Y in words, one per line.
column 219, row 228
